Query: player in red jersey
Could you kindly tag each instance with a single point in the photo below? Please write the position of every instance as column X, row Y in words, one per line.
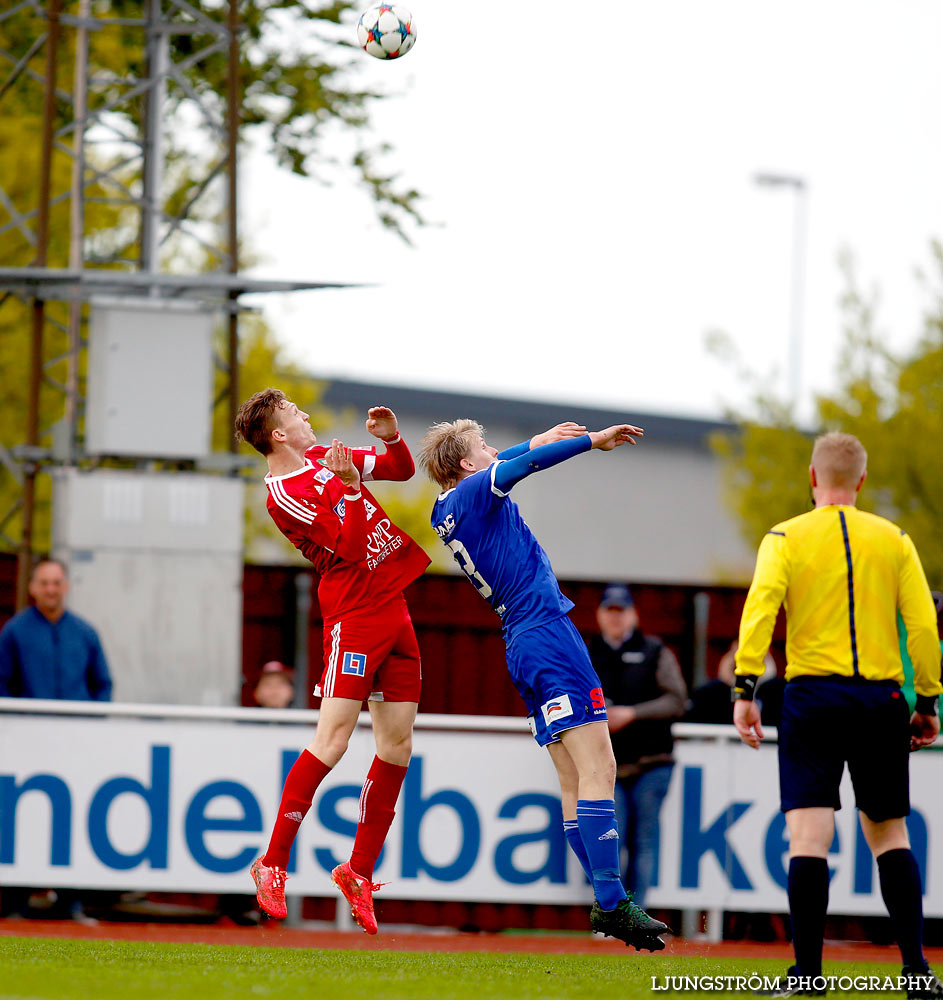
column 316, row 497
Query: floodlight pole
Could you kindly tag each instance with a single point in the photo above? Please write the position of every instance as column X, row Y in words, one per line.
column 232, row 128
column 77, row 222
column 38, row 317
column 797, row 279
column 158, row 58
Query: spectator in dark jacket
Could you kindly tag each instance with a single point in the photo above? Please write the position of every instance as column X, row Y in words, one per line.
column 644, row 691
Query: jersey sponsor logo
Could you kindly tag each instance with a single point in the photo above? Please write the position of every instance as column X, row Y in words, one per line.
column 381, row 542
column 368, row 509
column 354, row 663
column 598, row 698
column 323, row 476
column 556, row 708
column 446, row 528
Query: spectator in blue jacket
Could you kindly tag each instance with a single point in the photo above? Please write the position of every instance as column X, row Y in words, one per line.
column 49, row 652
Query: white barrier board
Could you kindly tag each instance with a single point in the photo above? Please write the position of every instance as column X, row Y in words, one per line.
column 187, row 805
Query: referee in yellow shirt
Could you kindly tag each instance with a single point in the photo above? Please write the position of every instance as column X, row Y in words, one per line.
column 842, row 575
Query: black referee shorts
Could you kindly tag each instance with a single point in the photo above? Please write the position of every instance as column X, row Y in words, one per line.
column 830, row 721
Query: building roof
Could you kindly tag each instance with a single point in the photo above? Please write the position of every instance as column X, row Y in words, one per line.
column 436, row 404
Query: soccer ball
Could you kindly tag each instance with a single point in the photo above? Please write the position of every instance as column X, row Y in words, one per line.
column 386, row 31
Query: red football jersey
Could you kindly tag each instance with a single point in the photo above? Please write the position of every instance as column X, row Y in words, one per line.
column 308, row 507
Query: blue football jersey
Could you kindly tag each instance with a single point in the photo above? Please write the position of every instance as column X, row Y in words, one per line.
column 498, row 552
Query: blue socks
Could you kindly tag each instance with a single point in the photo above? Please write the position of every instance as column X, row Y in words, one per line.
column 600, row 836
column 571, row 829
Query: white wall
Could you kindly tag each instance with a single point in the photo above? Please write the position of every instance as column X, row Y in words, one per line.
column 155, row 562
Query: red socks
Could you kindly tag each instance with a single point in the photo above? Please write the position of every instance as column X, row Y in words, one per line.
column 377, row 802
column 302, row 782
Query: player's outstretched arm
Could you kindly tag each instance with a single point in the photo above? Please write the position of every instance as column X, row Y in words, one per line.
column 396, row 464
column 613, row 437
column 511, row 472
column 559, row 432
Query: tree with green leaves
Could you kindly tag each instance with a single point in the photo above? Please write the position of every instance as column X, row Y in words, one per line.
column 892, row 403
column 302, row 99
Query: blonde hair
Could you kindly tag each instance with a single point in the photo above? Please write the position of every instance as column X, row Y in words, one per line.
column 839, row 460
column 444, row 446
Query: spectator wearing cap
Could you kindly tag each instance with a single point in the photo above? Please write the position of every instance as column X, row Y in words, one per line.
column 644, row 691
column 275, row 687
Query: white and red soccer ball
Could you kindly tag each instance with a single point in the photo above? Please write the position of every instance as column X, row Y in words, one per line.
column 386, row 31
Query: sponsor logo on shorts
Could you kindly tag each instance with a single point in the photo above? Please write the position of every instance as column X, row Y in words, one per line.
column 354, row 663
column 610, row 835
column 556, row 708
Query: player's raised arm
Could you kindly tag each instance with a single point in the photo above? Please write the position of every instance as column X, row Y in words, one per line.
column 511, row 472
column 559, row 432
column 613, row 437
column 396, row 465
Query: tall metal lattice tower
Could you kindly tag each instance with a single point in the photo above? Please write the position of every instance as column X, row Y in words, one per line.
column 97, row 87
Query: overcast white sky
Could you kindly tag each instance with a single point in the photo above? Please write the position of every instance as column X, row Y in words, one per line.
column 590, row 167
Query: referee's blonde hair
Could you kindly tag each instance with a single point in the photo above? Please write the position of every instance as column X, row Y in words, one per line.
column 444, row 446
column 839, row 460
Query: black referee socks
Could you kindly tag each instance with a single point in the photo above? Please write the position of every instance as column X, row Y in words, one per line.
column 808, row 904
column 900, row 886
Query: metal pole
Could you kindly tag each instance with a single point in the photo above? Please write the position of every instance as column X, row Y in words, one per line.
column 77, row 220
column 797, row 279
column 798, row 292
column 31, row 469
column 232, row 126
column 157, row 63
column 302, row 614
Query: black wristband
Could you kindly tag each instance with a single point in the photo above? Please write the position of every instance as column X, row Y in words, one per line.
column 926, row 704
column 744, row 687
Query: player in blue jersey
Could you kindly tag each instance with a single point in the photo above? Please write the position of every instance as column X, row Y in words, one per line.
column 546, row 656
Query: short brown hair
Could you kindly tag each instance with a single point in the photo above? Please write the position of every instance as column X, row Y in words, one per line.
column 445, row 445
column 255, row 420
column 48, row 561
column 839, row 460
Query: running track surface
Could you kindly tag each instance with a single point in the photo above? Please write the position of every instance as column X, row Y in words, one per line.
column 277, row 936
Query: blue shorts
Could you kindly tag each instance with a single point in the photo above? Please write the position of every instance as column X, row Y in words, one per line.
column 830, row 721
column 552, row 671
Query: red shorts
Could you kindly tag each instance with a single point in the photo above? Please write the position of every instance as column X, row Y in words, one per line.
column 372, row 657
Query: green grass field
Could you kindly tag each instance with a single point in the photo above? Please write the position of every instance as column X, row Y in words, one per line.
column 56, row 969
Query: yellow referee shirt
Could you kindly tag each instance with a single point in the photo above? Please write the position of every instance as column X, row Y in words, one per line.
column 841, row 574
